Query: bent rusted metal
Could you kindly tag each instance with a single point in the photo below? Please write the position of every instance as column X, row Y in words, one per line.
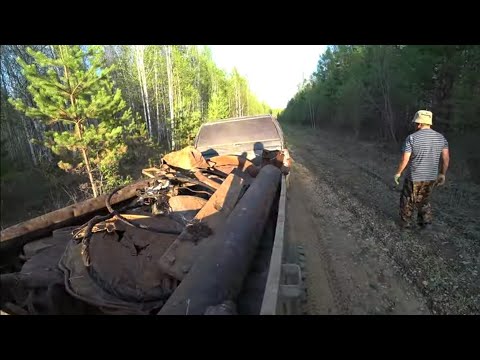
column 221, row 267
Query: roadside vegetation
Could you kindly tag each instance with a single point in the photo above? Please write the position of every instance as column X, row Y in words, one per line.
column 77, row 121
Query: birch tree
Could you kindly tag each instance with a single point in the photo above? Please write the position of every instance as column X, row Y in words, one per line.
column 139, row 51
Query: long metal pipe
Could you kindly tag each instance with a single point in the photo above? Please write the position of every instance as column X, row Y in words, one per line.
column 218, row 273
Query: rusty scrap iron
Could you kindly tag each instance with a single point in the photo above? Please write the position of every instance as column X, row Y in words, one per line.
column 186, row 203
column 85, row 239
column 277, row 158
column 14, row 237
column 206, row 180
column 239, row 162
column 187, row 158
column 185, row 207
column 220, row 269
column 179, row 258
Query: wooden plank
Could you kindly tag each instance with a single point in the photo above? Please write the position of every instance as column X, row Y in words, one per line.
column 272, row 288
column 181, row 255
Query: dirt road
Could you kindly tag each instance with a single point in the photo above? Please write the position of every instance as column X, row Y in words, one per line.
column 343, row 210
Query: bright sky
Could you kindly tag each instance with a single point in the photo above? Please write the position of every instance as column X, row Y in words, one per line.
column 273, row 71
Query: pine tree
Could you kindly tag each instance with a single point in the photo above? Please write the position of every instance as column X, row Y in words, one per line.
column 75, row 89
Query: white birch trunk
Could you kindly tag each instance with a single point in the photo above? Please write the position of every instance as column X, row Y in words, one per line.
column 170, row 93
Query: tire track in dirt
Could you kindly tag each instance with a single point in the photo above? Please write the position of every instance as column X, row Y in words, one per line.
column 323, row 291
column 450, row 224
column 445, row 278
column 345, row 274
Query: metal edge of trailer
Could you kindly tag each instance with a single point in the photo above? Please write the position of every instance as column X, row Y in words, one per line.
column 276, row 292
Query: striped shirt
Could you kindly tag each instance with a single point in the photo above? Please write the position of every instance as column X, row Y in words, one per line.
column 426, row 146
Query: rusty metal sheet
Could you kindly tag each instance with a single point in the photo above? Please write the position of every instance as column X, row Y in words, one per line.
column 278, row 158
column 206, row 180
column 181, row 255
column 224, row 170
column 185, row 207
column 188, row 158
column 186, row 202
column 238, row 161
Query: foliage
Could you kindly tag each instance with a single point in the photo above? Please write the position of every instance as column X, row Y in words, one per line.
column 107, row 111
column 176, row 104
column 374, row 90
column 74, row 88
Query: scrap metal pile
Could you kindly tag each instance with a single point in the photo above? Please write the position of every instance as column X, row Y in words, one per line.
column 181, row 245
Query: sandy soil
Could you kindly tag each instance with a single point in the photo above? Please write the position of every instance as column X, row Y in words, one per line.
column 343, row 209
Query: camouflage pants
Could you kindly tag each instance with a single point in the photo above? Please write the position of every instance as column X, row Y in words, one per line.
column 416, row 195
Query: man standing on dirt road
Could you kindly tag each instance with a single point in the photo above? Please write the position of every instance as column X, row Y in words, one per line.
column 421, row 151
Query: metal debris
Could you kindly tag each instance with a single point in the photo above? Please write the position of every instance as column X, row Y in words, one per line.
column 188, row 158
column 226, row 308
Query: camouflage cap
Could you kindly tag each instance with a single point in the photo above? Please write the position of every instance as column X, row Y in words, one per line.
column 423, row 117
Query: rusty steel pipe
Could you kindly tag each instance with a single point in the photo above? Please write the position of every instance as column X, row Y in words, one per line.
column 218, row 273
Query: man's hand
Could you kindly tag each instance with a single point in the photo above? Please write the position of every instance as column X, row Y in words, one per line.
column 441, row 180
column 397, row 179
column 403, row 164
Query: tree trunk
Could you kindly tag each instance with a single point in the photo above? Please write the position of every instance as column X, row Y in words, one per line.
column 385, row 87
column 147, row 105
column 311, row 110
column 78, row 130
column 170, row 94
column 30, row 145
column 89, row 171
column 164, row 97
column 156, row 96
column 139, row 51
column 237, row 99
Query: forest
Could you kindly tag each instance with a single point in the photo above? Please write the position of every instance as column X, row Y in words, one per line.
column 373, row 91
column 81, row 120
column 347, row 125
column 78, row 121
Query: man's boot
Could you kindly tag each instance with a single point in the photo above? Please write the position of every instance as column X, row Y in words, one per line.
column 404, row 225
column 427, row 227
